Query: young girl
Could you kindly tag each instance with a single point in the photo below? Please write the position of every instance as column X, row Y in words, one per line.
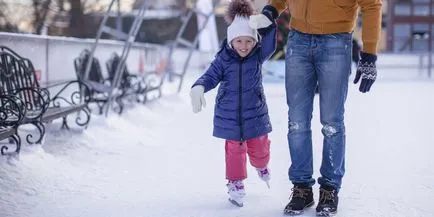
column 241, row 113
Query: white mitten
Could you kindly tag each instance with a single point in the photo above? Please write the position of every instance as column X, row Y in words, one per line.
column 259, row 21
column 197, row 98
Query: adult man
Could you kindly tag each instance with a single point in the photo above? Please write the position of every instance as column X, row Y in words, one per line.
column 319, row 51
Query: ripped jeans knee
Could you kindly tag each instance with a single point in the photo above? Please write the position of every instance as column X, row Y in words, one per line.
column 295, row 126
column 331, row 129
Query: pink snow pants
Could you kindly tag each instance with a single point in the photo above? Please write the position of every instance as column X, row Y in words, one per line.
column 258, row 150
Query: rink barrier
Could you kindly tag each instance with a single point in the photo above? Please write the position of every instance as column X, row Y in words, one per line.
column 53, row 56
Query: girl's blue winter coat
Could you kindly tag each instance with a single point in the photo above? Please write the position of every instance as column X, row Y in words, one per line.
column 240, row 111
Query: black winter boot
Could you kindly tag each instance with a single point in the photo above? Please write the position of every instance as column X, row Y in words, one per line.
column 328, row 201
column 301, row 198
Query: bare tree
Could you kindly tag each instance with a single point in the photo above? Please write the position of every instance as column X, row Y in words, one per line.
column 92, row 5
column 5, row 23
column 61, row 4
column 68, row 16
column 173, row 4
column 78, row 27
column 76, row 24
column 71, row 16
column 41, row 10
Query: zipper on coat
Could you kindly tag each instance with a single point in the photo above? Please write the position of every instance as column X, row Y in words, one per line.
column 240, row 98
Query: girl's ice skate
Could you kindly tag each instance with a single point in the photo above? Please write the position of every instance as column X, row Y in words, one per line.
column 264, row 174
column 236, row 192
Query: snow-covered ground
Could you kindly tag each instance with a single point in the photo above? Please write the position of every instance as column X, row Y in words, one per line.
column 160, row 160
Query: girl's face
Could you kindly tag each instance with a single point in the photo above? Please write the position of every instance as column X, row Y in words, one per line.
column 243, row 45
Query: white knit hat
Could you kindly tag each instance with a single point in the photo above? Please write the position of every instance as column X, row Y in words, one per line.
column 237, row 16
column 240, row 27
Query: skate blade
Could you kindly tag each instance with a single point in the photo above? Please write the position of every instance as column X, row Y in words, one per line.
column 268, row 184
column 235, row 203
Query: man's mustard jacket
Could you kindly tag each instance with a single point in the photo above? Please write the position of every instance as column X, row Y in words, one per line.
column 335, row 16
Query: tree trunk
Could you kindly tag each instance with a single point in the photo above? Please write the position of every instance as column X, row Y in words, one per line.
column 77, row 26
column 40, row 12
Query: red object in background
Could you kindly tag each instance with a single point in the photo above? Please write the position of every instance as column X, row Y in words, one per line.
column 38, row 74
column 141, row 68
column 161, row 66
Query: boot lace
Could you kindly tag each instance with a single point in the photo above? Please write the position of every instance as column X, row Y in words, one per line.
column 326, row 196
column 299, row 193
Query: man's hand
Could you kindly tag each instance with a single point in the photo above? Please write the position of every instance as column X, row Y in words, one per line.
column 197, row 98
column 367, row 71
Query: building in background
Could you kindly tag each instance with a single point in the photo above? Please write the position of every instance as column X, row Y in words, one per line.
column 410, row 25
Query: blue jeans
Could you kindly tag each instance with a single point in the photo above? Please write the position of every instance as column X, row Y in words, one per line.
column 311, row 60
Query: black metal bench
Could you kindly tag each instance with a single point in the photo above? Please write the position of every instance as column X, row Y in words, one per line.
column 150, row 80
column 130, row 84
column 12, row 112
column 9, row 134
column 18, row 79
column 99, row 88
